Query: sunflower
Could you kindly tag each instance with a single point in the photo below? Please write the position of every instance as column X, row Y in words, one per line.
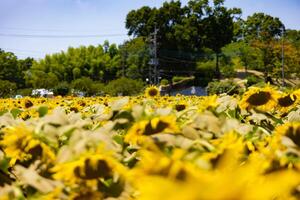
column 144, row 128
column 290, row 130
column 155, row 163
column 286, row 102
column 181, row 105
column 20, row 144
column 88, row 168
column 264, row 99
column 209, row 102
column 152, row 91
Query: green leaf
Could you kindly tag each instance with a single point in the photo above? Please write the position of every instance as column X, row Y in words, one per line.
column 15, row 112
column 43, row 110
column 2, row 112
column 118, row 139
column 4, row 164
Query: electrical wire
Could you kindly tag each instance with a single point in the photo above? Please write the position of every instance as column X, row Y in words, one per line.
column 58, row 36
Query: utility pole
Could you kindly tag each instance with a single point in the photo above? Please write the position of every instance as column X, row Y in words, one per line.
column 282, row 57
column 153, row 64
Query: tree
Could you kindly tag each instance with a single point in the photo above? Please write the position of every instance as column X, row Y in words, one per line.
column 124, row 86
column 8, row 66
column 23, row 66
column 99, row 63
column 262, row 26
column 134, row 58
column 293, row 36
column 7, row 88
column 184, row 31
column 261, row 30
column 219, row 27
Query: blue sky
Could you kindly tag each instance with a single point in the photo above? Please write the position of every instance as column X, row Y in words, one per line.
column 97, row 17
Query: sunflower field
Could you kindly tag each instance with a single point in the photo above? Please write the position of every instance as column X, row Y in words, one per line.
column 152, row 147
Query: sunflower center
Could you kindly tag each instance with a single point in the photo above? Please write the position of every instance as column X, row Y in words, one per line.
column 259, row 98
column 153, row 92
column 93, row 170
column 286, row 101
column 294, row 135
column 180, row 107
column 28, row 103
column 149, row 130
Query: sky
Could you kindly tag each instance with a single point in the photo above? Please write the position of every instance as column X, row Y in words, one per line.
column 104, row 18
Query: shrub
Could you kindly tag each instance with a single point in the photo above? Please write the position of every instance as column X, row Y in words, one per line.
column 98, row 89
column 220, row 87
column 228, row 71
column 25, row 92
column 164, row 82
column 7, row 88
column 205, row 72
column 178, row 78
column 84, row 84
column 61, row 89
column 124, row 86
column 252, row 80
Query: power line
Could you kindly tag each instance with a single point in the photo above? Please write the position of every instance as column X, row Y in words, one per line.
column 55, row 30
column 22, row 50
column 58, row 36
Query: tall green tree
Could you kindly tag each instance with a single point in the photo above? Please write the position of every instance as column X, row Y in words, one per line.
column 219, row 28
column 183, row 29
column 8, row 66
column 261, row 30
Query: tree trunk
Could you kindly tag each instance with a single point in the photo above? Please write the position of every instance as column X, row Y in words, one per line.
column 218, row 74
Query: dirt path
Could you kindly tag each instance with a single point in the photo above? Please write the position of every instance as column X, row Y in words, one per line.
column 241, row 74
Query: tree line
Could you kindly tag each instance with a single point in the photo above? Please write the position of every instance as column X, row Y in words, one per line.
column 201, row 38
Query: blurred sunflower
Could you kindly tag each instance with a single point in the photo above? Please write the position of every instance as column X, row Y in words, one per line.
column 140, row 130
column 286, row 102
column 260, row 98
column 88, row 168
column 158, row 164
column 20, row 144
column 152, row 91
column 290, row 130
column 208, row 102
column 181, row 105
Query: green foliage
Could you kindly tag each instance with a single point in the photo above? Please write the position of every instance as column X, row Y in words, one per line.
column 164, row 82
column 99, row 63
column 61, row 89
column 181, row 29
column 263, row 26
column 124, row 86
column 8, row 66
column 98, row 89
column 219, row 87
column 135, row 58
column 178, row 78
column 84, row 84
column 7, row 88
column 43, row 110
column 24, row 92
column 253, row 80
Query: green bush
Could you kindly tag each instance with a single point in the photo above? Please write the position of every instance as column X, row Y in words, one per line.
column 164, row 82
column 98, row 89
column 7, row 88
column 219, row 87
column 178, row 78
column 24, row 92
column 228, row 71
column 205, row 72
column 61, row 89
column 124, row 86
column 253, row 80
column 84, row 84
